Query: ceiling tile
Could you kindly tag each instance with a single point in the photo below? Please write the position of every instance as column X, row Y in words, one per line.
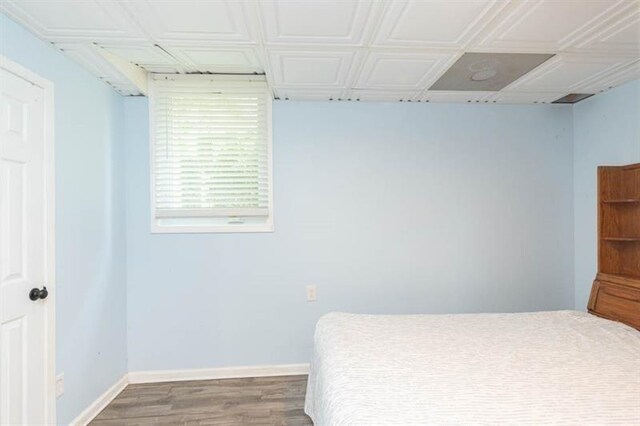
column 526, row 97
column 382, row 95
column 612, row 79
column 545, row 26
column 435, row 24
column 218, row 59
column 566, row 73
column 309, row 95
column 198, row 21
column 150, row 57
column 324, row 22
column 164, row 69
column 313, row 69
column 488, row 71
column 619, row 33
column 124, row 88
column 403, row 70
column 572, row 98
column 87, row 56
column 140, row 54
column 457, row 96
column 74, row 21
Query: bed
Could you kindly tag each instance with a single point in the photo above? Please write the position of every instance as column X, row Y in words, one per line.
column 562, row 367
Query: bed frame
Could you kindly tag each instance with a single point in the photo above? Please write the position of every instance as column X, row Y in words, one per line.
column 616, row 298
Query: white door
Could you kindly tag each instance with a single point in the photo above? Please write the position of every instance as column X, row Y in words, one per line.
column 25, row 368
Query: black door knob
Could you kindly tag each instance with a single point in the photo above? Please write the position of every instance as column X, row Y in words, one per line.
column 36, row 294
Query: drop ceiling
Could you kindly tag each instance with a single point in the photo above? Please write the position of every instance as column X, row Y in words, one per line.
column 349, row 50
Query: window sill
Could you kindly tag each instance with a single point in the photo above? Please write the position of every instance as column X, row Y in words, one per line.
column 215, row 229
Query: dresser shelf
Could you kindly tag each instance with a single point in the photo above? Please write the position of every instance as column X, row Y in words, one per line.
column 619, row 221
column 625, row 201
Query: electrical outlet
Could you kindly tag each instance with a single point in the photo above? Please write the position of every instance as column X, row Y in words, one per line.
column 59, row 385
column 311, row 293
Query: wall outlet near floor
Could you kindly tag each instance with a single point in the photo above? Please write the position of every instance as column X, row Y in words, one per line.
column 59, row 385
column 311, row 293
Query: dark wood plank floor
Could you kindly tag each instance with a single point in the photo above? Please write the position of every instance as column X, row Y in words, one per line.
column 252, row 401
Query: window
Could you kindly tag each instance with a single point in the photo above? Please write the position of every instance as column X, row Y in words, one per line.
column 210, row 139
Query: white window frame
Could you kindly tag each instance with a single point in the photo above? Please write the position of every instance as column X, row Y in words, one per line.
column 234, row 224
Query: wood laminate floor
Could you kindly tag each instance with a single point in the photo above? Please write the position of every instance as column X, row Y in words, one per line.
column 251, row 401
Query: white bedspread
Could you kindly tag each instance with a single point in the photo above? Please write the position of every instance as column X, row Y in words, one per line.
column 531, row 368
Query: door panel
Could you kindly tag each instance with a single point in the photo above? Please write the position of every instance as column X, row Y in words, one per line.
column 23, row 357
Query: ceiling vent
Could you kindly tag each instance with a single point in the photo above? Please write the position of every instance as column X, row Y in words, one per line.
column 488, row 72
column 572, row 98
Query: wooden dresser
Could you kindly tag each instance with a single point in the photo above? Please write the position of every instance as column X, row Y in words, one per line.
column 616, row 289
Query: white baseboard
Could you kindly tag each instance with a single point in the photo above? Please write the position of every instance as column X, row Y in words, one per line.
column 217, row 373
column 99, row 404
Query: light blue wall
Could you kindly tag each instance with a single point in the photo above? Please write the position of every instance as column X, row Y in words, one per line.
column 387, row 208
column 606, row 132
column 90, row 221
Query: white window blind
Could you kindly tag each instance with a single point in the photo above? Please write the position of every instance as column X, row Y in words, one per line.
column 211, row 151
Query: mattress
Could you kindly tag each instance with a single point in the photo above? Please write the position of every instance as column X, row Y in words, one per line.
column 539, row 368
